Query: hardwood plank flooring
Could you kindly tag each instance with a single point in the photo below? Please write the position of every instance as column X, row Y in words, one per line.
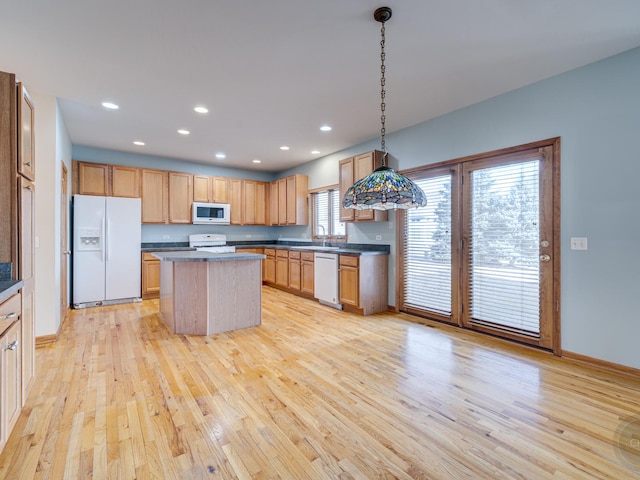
column 313, row 393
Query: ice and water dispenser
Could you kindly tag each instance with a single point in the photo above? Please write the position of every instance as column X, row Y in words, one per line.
column 89, row 239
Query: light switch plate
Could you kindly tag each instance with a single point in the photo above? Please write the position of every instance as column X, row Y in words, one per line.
column 578, row 243
column 378, row 237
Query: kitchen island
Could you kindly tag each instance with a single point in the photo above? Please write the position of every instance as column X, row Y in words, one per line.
column 204, row 293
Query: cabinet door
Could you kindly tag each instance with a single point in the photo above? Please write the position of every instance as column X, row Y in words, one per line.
column 26, row 136
column 125, row 181
column 261, row 203
column 202, row 188
column 282, row 201
column 249, row 202
column 274, row 203
column 154, row 196
column 220, row 192
column 282, row 271
column 27, row 229
column 294, row 274
column 150, row 276
column 93, row 179
column 363, row 166
column 349, row 285
column 180, row 197
column 346, row 180
column 10, row 382
column 28, row 342
column 269, row 274
column 235, row 200
column 307, row 277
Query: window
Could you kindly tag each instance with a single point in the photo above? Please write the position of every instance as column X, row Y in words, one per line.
column 326, row 214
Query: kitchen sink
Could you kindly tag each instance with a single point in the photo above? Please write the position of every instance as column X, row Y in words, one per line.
column 316, row 248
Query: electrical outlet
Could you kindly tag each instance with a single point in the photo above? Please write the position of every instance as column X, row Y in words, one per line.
column 378, row 237
column 578, row 243
column 166, row 237
column 247, row 236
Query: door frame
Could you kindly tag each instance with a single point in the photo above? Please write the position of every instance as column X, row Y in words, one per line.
column 64, row 243
column 552, row 147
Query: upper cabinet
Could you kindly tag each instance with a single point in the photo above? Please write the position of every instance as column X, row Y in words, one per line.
column 26, row 134
column 289, row 200
column 106, row 180
column 180, row 197
column 254, row 202
column 154, row 196
column 210, row 189
column 350, row 171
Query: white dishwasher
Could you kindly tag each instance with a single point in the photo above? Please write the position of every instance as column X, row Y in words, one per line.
column 325, row 279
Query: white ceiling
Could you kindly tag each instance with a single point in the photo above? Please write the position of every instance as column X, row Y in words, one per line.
column 272, row 72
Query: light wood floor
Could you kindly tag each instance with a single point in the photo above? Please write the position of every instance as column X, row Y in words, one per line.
column 311, row 394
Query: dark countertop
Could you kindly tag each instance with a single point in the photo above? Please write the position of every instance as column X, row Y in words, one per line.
column 8, row 288
column 194, row 256
column 343, row 248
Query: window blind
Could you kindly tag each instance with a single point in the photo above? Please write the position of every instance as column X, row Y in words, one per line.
column 427, row 247
column 504, row 253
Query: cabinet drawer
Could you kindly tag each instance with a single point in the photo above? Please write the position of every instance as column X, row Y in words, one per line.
column 270, row 252
column 146, row 256
column 282, row 253
column 307, row 256
column 349, row 260
column 10, row 311
column 295, row 255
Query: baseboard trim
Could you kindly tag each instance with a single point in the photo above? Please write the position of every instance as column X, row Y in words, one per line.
column 597, row 362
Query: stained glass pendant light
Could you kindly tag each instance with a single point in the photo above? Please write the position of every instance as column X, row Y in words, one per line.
column 383, row 189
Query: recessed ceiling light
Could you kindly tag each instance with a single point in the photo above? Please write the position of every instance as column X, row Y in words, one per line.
column 284, row 147
column 315, row 152
column 110, row 105
column 138, row 142
column 325, row 128
column 220, row 155
column 256, row 161
column 201, row 109
column 182, row 131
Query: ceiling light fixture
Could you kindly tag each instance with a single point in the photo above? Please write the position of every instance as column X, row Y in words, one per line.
column 383, row 189
column 325, row 128
column 110, row 105
column 256, row 161
column 138, row 142
column 315, row 152
column 220, row 155
column 284, row 147
column 183, row 132
column 201, row 109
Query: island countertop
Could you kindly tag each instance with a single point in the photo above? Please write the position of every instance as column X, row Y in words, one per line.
column 196, row 256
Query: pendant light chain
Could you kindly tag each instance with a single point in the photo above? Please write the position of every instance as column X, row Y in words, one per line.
column 382, row 97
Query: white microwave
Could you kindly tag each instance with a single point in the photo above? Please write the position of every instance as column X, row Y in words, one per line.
column 211, row 213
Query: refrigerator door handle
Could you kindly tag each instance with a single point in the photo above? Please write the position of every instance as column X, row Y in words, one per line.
column 107, row 248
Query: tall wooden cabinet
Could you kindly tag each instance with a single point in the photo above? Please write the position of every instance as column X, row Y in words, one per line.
column 289, row 200
column 350, row 171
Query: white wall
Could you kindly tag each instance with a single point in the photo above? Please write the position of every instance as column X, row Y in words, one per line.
column 52, row 146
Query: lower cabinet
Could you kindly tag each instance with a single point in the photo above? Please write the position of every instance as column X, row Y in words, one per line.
column 294, row 271
column 364, row 283
column 10, row 365
column 282, row 268
column 269, row 266
column 306, row 267
column 150, row 276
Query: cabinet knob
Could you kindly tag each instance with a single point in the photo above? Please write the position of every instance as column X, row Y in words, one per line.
column 28, row 164
column 12, row 346
column 8, row 315
column 27, row 187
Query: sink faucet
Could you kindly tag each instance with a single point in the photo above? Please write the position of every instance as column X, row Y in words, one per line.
column 324, row 234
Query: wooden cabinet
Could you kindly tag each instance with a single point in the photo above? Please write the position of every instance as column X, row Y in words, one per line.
column 125, row 181
column 26, row 272
column 26, row 134
column 289, row 201
column 307, row 266
column 350, row 171
column 180, row 197
column 235, row 200
column 154, row 196
column 364, row 283
column 269, row 266
column 150, row 276
column 282, row 268
column 210, row 189
column 254, row 202
column 295, row 273
column 10, row 366
column 106, row 180
column 93, row 179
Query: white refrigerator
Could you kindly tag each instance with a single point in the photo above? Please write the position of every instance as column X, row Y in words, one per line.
column 106, row 250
